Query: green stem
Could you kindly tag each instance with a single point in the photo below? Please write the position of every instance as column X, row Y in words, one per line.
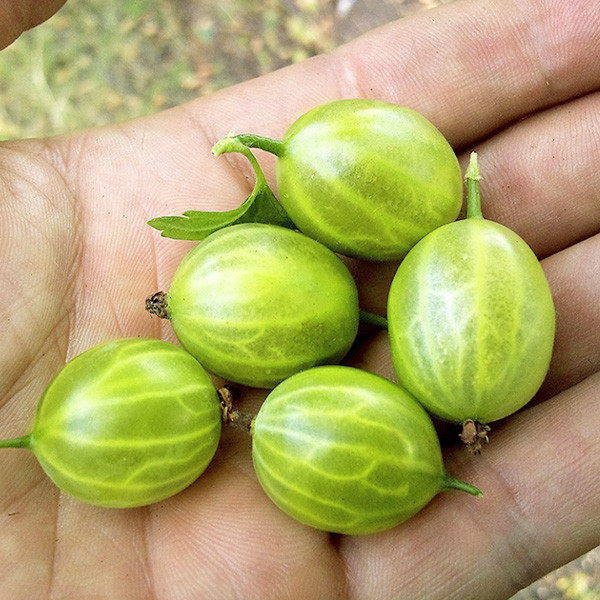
column 261, row 206
column 20, row 442
column 233, row 144
column 451, row 483
column 250, row 140
column 369, row 318
column 473, row 195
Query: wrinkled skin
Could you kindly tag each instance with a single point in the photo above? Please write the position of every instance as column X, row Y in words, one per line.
column 78, row 261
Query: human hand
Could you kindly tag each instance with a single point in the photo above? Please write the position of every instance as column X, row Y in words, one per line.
column 516, row 81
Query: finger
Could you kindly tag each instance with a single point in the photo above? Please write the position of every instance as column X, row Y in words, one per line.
column 573, row 275
column 224, row 524
column 17, row 16
column 469, row 94
column 27, row 512
column 475, row 92
column 539, row 511
column 573, row 278
column 501, row 61
column 541, row 177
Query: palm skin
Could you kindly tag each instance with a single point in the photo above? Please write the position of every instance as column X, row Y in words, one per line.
column 78, row 262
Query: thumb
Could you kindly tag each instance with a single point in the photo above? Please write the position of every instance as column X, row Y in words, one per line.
column 17, row 16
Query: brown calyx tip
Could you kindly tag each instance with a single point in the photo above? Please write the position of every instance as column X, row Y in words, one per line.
column 474, row 435
column 156, row 304
column 228, row 396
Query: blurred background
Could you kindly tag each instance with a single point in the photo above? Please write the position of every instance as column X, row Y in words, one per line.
column 100, row 61
column 103, row 61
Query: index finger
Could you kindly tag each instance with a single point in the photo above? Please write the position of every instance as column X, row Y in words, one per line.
column 471, row 67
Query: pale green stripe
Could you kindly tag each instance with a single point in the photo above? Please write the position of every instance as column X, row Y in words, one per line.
column 372, row 426
column 478, row 270
column 426, row 257
column 108, row 396
column 223, row 347
column 353, row 517
column 354, row 399
column 196, row 466
column 408, row 465
column 399, row 492
column 127, row 355
column 65, row 474
column 271, row 481
column 386, row 229
column 385, row 166
column 133, row 356
column 286, row 433
column 80, row 440
column 298, row 319
column 511, row 368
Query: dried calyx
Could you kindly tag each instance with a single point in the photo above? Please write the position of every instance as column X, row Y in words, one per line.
column 228, row 396
column 474, row 435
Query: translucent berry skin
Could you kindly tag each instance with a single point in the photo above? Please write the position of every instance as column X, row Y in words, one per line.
column 257, row 303
column 471, row 322
column 367, row 178
column 127, row 423
column 346, row 451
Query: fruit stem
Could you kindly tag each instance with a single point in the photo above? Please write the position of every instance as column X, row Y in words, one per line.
column 473, row 195
column 451, row 483
column 232, row 144
column 20, row 442
column 250, row 140
column 370, row 318
column 261, row 206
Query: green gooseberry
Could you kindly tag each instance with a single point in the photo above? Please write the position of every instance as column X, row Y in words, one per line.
column 471, row 320
column 347, row 451
column 255, row 303
column 125, row 424
column 366, row 178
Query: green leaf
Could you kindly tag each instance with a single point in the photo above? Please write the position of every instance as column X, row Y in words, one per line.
column 261, row 206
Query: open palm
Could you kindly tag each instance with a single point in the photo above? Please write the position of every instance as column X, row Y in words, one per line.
column 517, row 81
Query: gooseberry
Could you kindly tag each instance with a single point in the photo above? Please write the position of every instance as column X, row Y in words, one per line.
column 366, row 178
column 255, row 303
column 125, row 424
column 471, row 320
column 347, row 451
